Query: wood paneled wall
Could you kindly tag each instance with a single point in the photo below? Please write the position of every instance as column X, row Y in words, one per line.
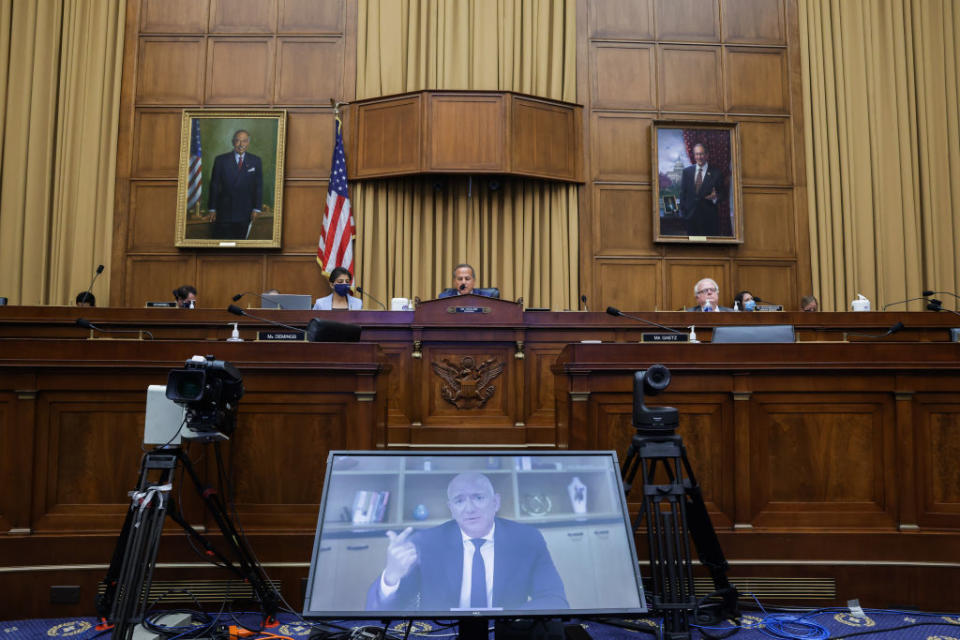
column 225, row 54
column 716, row 60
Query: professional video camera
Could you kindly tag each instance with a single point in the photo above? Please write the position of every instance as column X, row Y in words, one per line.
column 652, row 420
column 210, row 390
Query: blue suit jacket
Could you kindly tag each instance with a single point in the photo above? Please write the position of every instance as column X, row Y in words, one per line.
column 524, row 576
column 234, row 193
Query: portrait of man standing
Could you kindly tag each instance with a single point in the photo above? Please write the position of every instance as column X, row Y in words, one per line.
column 236, row 189
column 701, row 190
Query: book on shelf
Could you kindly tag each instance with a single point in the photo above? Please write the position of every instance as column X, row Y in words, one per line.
column 370, row 506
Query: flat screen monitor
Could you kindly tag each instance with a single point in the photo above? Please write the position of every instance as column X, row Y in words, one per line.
column 399, row 532
column 286, row 301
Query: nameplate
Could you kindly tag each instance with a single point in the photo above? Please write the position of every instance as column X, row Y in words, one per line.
column 281, row 336
column 163, row 305
column 664, row 337
column 468, row 309
column 769, row 307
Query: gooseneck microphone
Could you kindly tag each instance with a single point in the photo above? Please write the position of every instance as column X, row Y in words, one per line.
column 613, row 311
column 873, row 336
column 583, row 300
column 89, row 291
column 237, row 311
column 937, row 305
column 86, row 324
column 360, row 290
column 923, row 297
column 262, row 297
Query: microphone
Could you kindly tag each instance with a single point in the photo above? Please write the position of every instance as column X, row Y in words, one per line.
column 583, row 299
column 463, row 286
column 937, row 305
column 262, row 297
column 873, row 336
column 86, row 324
column 613, row 311
column 364, row 293
column 923, row 297
column 237, row 311
column 96, row 275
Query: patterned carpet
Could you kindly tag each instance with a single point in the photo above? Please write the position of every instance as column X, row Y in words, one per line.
column 834, row 624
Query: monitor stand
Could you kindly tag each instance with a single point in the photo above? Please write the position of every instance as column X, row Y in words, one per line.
column 511, row 629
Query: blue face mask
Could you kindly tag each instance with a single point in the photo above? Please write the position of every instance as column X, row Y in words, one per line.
column 342, row 289
column 749, row 305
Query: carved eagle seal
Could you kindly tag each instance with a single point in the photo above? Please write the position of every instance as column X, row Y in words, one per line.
column 467, row 385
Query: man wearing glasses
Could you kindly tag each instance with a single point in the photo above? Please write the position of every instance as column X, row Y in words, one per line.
column 707, row 293
column 475, row 561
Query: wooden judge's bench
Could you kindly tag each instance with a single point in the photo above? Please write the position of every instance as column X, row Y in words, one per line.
column 829, row 465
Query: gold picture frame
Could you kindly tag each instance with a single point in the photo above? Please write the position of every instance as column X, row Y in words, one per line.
column 223, row 203
column 708, row 213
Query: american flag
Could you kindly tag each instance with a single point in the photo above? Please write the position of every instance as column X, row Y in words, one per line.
column 195, row 186
column 335, row 248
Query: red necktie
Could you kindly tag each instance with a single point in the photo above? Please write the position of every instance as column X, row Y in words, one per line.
column 699, row 181
column 240, row 164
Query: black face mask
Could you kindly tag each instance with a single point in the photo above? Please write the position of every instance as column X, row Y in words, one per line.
column 342, row 289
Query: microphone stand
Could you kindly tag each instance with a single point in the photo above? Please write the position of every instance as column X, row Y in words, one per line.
column 86, row 324
column 237, row 311
column 613, row 311
column 364, row 293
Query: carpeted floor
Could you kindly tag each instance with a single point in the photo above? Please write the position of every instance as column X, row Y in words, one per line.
column 834, row 624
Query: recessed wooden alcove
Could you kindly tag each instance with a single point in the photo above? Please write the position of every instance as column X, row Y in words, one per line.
column 468, row 132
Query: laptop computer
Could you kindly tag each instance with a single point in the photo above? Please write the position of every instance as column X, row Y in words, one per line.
column 286, row 301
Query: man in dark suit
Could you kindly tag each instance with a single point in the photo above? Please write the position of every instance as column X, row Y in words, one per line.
column 236, row 190
column 707, row 293
column 475, row 561
column 701, row 188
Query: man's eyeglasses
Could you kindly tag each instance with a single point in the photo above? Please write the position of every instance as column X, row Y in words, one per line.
column 707, row 290
column 479, row 500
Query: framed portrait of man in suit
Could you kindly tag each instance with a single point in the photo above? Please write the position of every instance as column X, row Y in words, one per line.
column 696, row 182
column 230, row 181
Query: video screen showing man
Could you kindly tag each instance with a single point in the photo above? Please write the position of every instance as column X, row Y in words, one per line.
column 701, row 189
column 474, row 561
column 236, row 189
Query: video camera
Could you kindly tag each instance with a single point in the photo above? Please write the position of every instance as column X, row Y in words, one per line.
column 653, row 420
column 210, row 390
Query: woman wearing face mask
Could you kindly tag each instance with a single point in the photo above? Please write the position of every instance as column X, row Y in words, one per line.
column 340, row 280
column 744, row 301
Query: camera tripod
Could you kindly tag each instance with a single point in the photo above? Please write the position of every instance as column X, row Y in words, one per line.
column 675, row 512
column 127, row 583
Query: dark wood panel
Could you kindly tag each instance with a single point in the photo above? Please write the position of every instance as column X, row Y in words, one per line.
column 690, row 20
column 303, row 204
column 173, row 16
column 12, row 507
column 156, row 146
column 624, row 221
column 754, row 21
column 220, row 277
column 632, row 19
column 465, row 363
column 320, row 60
column 153, row 278
column 153, row 216
column 766, row 152
column 311, row 16
column 388, row 137
column 689, row 78
column 937, row 424
column 309, row 145
column 769, row 226
column 466, row 133
column 682, row 275
column 227, row 84
column 774, row 282
column 756, row 80
column 242, row 16
column 629, row 284
column 170, row 71
column 545, row 138
column 296, row 274
column 623, row 76
column 620, row 148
